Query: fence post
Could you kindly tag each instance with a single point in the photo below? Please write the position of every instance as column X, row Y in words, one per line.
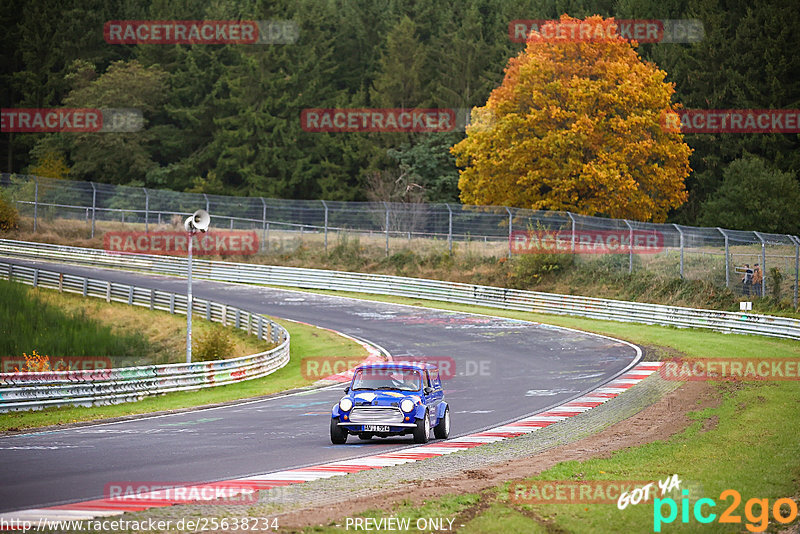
column 763, row 264
column 94, row 205
column 678, row 228
column 35, row 202
column 449, row 228
column 510, row 229
column 265, row 243
column 630, row 246
column 325, row 204
column 727, row 260
column 206, row 199
column 796, row 267
column 386, row 205
column 146, row 210
column 571, row 218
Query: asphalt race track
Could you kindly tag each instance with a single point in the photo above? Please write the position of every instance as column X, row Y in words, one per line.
column 506, row 369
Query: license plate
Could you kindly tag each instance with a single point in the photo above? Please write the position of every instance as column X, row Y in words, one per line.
column 376, row 428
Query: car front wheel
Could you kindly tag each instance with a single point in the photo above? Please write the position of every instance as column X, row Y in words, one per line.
column 442, row 430
column 338, row 434
column 423, row 431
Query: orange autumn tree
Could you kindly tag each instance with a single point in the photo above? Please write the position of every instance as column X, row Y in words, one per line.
column 576, row 126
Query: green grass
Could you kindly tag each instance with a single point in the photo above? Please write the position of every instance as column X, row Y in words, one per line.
column 307, row 341
column 28, row 323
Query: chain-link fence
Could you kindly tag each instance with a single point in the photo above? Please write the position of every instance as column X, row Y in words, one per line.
column 717, row 255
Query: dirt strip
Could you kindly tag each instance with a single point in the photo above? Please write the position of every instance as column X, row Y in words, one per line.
column 656, row 423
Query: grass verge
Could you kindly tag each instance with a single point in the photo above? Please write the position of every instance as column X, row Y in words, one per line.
column 307, row 341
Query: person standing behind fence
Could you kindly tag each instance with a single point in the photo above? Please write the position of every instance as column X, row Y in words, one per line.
column 747, row 279
column 758, row 276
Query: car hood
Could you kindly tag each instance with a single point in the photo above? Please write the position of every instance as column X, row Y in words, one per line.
column 383, row 397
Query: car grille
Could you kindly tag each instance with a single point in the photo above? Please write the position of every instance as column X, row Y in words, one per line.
column 375, row 414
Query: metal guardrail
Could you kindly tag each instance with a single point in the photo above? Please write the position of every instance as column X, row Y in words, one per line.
column 32, row 390
column 495, row 297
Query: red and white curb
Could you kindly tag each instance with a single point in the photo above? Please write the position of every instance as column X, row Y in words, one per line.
column 247, row 486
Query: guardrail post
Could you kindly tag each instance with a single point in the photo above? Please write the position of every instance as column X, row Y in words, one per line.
column 260, row 327
column 727, row 260
column 386, row 205
column 108, row 290
column 35, row 277
column 146, row 210
column 678, row 228
column 325, row 204
column 264, row 243
column 449, row 228
column 35, row 202
column 172, row 303
column 571, row 218
column 61, row 282
column 237, row 319
column 763, row 264
column 630, row 246
column 152, row 299
column 94, row 205
column 208, row 311
column 10, row 272
column 85, row 287
column 510, row 229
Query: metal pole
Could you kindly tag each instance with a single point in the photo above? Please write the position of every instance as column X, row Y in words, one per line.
column 510, row 229
column 387, row 227
column 678, row 228
column 325, row 204
column 35, row 202
column 571, row 218
column 206, row 198
column 146, row 210
column 94, row 204
column 449, row 228
column 189, row 303
column 630, row 246
column 265, row 244
column 796, row 267
column 727, row 261
column 763, row 264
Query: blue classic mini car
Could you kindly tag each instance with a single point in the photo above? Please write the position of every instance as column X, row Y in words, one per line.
column 392, row 399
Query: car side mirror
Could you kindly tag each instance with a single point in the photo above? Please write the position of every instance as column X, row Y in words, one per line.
column 347, row 389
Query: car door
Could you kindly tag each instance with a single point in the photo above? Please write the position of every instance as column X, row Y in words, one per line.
column 436, row 395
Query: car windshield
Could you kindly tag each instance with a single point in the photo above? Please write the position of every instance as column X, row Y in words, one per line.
column 387, row 378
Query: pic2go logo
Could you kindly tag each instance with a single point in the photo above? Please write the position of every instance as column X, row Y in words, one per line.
column 758, row 521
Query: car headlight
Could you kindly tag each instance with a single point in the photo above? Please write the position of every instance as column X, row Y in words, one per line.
column 345, row 404
column 407, row 405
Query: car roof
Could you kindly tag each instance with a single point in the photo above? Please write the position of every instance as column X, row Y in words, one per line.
column 417, row 366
